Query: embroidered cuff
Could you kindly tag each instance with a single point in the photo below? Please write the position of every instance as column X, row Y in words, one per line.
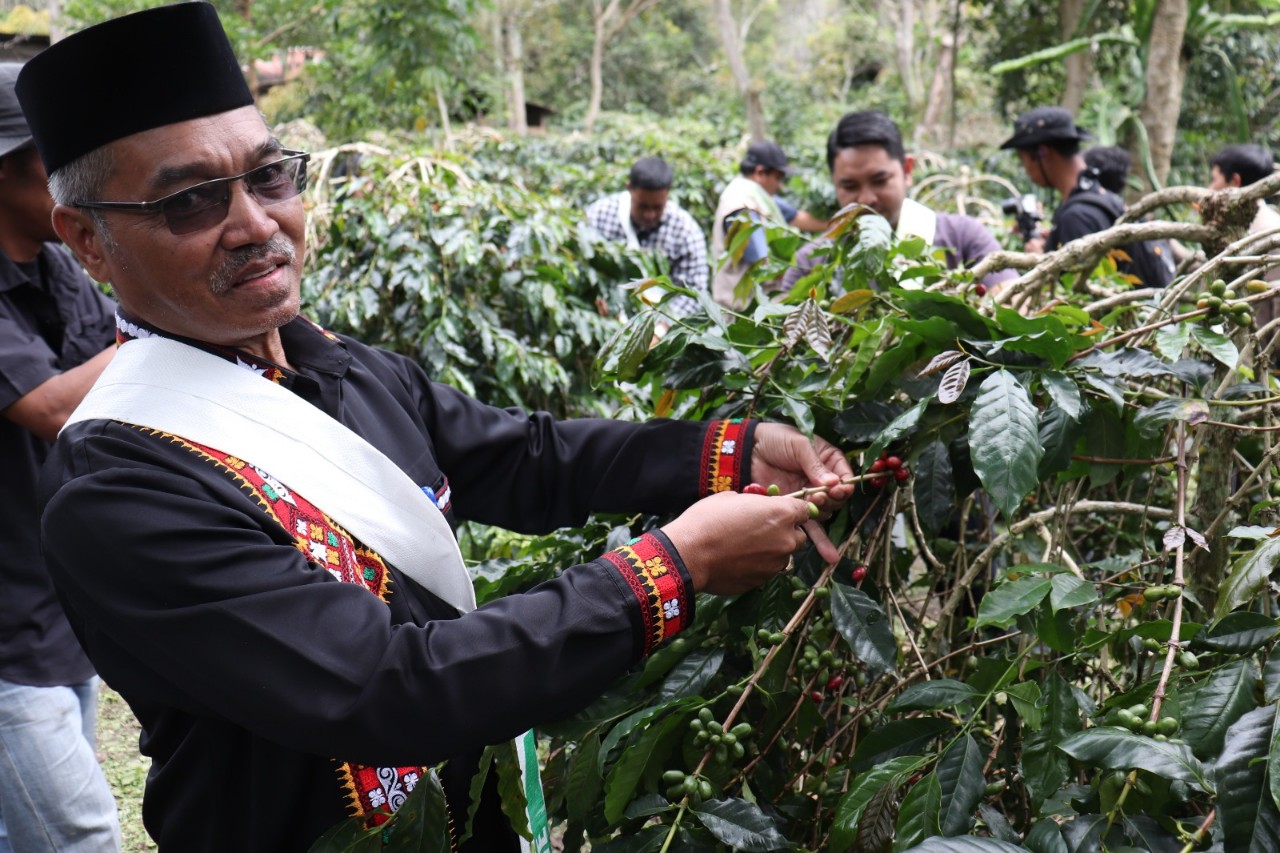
column 726, row 456
column 652, row 570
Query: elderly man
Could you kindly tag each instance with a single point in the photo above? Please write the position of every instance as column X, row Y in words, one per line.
column 644, row 217
column 56, row 336
column 870, row 166
column 249, row 519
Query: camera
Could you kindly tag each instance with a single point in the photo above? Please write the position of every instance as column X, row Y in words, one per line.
column 1026, row 211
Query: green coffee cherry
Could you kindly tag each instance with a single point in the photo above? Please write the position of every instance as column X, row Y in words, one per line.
column 672, row 777
column 1167, row 726
column 773, row 490
column 1217, row 287
column 1188, row 660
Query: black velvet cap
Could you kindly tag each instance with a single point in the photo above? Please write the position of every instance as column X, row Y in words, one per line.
column 130, row 74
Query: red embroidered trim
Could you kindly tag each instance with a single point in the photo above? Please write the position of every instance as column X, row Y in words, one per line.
column 722, row 459
column 372, row 792
column 665, row 599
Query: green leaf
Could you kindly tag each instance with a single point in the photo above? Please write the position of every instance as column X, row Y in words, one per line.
column 1217, row 345
column 1238, row 633
column 511, row 791
column 898, row 427
column 1117, row 749
column 620, row 786
column 1172, row 341
column 1044, row 767
column 897, row 737
column 1051, row 54
column 933, row 695
column 1210, row 707
column 741, row 825
column 862, row 789
column 918, row 815
column 1058, row 437
column 350, row 836
column 1004, row 440
column 585, row 782
column 645, row 841
column 692, row 674
column 965, row 845
column 1150, row 421
column 933, row 486
column 1105, row 439
column 1011, row 599
column 421, row 824
column 864, row 420
column 1063, row 391
column 1045, row 837
column 875, row 829
column 1241, row 783
column 875, row 236
column 864, row 626
column 961, row 782
column 1071, row 591
column 1247, row 577
column 1129, row 362
column 1025, row 697
column 634, row 346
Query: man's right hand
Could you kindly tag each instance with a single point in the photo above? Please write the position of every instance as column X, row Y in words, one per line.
column 731, row 542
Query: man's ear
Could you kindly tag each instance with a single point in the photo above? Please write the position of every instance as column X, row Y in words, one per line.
column 80, row 233
column 908, row 163
column 1235, row 181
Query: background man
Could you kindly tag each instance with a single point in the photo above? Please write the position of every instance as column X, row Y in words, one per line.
column 643, row 216
column 1048, row 144
column 249, row 520
column 56, row 336
column 1240, row 166
column 870, row 166
column 1111, row 165
column 754, row 192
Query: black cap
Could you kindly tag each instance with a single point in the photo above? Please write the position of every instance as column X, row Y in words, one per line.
column 1045, row 124
column 141, row 71
column 767, row 154
column 14, row 133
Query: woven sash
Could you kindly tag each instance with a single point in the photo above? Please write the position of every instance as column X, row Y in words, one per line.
column 165, row 385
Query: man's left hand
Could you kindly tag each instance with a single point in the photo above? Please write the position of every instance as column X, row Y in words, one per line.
column 783, row 455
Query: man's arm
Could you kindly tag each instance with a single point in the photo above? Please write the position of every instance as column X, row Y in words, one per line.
column 806, row 221
column 45, row 408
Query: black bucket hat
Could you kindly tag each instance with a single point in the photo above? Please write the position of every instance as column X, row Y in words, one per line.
column 1045, row 124
column 14, row 133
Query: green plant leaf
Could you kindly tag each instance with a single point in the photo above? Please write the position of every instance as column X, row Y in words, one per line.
column 865, row 627
column 1238, row 633
column 1045, row 837
column 897, row 737
column 1217, row 345
column 918, row 815
column 933, row 486
column 934, row 695
column 898, row 427
column 421, row 824
column 1211, row 706
column 1011, row 599
column 875, row 829
column 961, row 782
column 625, row 775
column 867, row 257
column 1241, row 783
column 965, row 845
column 1151, row 420
column 585, row 782
column 1172, row 340
column 1117, row 749
column 1025, row 698
column 1129, row 362
column 1004, row 440
column 1063, row 391
column 740, row 824
column 350, row 836
column 1051, row 54
column 1071, row 591
column 1247, row 577
column 864, row 786
column 646, row 840
column 864, row 420
column 692, row 674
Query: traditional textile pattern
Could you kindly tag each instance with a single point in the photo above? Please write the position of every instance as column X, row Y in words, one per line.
column 722, row 461
column 651, row 572
column 375, row 792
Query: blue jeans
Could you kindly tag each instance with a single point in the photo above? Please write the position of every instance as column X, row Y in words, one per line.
column 53, row 794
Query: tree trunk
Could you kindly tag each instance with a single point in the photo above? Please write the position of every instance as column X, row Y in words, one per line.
column 597, row 69
column 1077, row 64
column 738, row 67
column 1166, row 71
column 517, row 116
column 937, row 107
column 905, row 50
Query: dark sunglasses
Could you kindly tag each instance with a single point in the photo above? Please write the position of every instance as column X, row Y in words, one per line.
column 205, row 205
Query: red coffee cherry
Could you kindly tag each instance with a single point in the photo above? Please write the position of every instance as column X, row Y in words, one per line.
column 816, row 696
column 834, row 682
column 858, row 573
column 902, row 474
column 754, row 489
column 893, row 463
column 878, row 466
column 980, row 289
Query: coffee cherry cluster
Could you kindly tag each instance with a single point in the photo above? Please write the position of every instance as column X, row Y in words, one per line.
column 1221, row 302
column 773, row 490
column 707, row 731
column 1162, row 591
column 1134, row 718
column 680, row 786
column 888, row 464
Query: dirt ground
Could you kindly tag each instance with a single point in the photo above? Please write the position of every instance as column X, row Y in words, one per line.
column 126, row 769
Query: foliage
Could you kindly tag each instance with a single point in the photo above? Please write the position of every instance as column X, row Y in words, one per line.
column 1056, row 634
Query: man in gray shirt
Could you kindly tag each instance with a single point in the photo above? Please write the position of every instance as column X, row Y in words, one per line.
column 870, row 166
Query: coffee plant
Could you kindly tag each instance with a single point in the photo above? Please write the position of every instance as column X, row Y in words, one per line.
column 1052, row 622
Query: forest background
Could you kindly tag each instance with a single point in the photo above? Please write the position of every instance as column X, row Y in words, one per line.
column 979, row 682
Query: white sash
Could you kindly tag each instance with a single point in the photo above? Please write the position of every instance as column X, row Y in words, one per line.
column 168, row 386
column 624, row 216
column 916, row 220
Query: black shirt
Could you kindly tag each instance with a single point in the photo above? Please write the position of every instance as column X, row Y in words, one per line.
column 258, row 677
column 52, row 318
column 1091, row 208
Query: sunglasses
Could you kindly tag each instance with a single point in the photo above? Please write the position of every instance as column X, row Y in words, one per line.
column 205, row 205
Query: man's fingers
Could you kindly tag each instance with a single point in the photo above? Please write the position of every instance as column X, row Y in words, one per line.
column 826, row 548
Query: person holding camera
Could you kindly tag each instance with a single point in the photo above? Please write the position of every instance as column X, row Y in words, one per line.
column 1048, row 144
column 870, row 166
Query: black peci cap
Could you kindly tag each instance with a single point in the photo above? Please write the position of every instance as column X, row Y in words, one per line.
column 130, row 74
column 1044, row 124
